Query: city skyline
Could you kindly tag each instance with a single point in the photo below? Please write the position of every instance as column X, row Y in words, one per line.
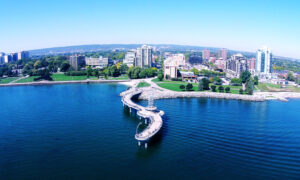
column 243, row 26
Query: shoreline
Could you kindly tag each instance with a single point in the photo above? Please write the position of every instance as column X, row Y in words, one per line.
column 62, row 82
column 161, row 93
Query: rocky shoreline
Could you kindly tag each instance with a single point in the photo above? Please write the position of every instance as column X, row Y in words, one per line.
column 159, row 94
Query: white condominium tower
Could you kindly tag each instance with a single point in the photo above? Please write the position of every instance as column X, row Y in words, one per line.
column 144, row 56
column 263, row 61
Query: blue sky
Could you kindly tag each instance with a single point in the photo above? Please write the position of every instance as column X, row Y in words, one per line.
column 233, row 24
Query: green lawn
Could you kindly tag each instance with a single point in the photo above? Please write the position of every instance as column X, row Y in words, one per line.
column 265, row 87
column 28, row 79
column 175, row 86
column 293, row 88
column 7, row 80
column 143, row 84
column 62, row 77
column 122, row 77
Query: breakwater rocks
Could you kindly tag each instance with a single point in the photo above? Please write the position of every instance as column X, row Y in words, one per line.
column 159, row 94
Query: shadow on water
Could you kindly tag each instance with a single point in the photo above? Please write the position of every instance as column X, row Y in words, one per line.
column 154, row 145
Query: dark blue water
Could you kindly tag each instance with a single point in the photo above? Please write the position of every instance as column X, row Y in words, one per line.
column 83, row 132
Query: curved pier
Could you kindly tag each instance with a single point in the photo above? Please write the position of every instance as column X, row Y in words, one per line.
column 155, row 119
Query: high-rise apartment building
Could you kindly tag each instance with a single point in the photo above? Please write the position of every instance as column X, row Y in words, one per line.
column 252, row 63
column 77, row 61
column 22, row 55
column 264, row 60
column 144, row 56
column 7, row 58
column 237, row 64
column 222, row 54
column 205, row 55
column 14, row 56
column 2, row 57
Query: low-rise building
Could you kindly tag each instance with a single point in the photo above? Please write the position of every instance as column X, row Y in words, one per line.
column 99, row 62
column 172, row 64
column 221, row 64
column 170, row 71
column 130, row 58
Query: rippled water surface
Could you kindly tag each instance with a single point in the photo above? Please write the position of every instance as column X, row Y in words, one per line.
column 83, row 132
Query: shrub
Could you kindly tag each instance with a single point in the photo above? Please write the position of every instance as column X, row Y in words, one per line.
column 213, row 88
column 227, row 89
column 176, row 79
column 160, row 77
column 241, row 91
column 189, row 87
column 182, row 87
column 221, row 89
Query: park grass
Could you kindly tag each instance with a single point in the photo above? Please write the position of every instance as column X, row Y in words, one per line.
column 175, row 86
column 62, row 77
column 7, row 80
column 143, row 84
column 293, row 88
column 122, row 77
column 27, row 80
column 266, row 87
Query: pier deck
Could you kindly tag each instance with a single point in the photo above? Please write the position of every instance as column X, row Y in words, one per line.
column 155, row 119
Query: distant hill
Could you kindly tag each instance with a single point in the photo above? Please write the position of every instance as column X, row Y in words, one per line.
column 125, row 47
column 104, row 47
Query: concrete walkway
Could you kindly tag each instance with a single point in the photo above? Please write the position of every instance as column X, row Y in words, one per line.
column 155, row 119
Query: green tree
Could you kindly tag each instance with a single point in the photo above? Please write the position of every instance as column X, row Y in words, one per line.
column 195, row 71
column 249, row 87
column 114, row 71
column 89, row 71
column 217, row 80
column 143, row 73
column 189, row 87
column 245, row 76
column 205, row 82
column 37, row 64
column 200, row 86
column 213, row 88
column 136, row 72
column 290, row 76
column 255, row 80
column 65, row 66
column 123, row 69
column 160, row 75
column 96, row 73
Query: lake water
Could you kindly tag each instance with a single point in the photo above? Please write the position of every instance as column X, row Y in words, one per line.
column 80, row 131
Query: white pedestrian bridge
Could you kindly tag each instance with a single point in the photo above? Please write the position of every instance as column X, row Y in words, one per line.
column 154, row 117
